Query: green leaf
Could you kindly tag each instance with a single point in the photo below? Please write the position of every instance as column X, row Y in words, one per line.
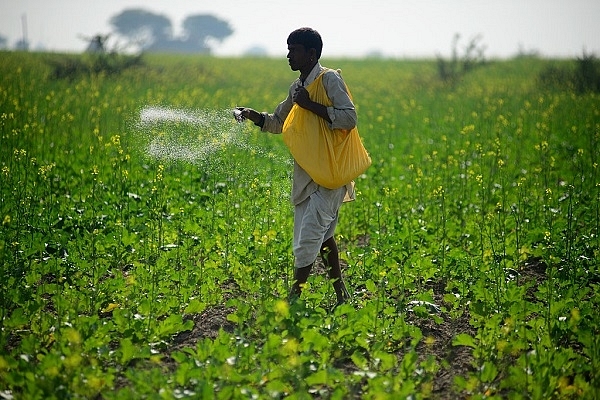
column 450, row 298
column 17, row 319
column 384, row 360
column 371, row 287
column 128, row 351
column 488, row 372
column 463, row 339
column 409, row 362
column 315, row 339
column 233, row 318
column 359, row 360
column 318, row 378
column 276, row 387
column 172, row 325
column 195, row 307
column 362, row 342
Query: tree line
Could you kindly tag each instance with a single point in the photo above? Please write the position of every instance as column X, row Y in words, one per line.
column 146, row 31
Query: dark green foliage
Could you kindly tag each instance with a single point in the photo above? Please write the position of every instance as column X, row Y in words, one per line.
column 72, row 67
column 587, row 74
column 451, row 71
column 581, row 76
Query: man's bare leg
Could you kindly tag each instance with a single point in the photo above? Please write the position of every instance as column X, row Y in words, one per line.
column 331, row 259
column 300, row 277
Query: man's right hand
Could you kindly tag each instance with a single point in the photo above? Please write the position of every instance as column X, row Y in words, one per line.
column 249, row 113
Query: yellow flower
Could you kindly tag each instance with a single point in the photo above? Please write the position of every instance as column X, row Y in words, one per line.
column 72, row 361
column 501, row 346
column 282, row 308
column 467, row 129
column 73, row 336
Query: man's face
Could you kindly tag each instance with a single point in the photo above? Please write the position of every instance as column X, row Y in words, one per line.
column 299, row 57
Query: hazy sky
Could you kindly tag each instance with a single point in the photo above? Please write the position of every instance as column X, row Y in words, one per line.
column 395, row 28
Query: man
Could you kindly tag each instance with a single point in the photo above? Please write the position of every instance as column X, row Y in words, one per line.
column 315, row 207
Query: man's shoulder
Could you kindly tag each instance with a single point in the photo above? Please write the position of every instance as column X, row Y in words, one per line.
column 332, row 77
column 330, row 73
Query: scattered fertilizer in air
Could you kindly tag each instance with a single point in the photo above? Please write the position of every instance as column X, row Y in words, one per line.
column 189, row 136
column 171, row 135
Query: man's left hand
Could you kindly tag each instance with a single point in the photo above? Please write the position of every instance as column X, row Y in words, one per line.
column 301, row 97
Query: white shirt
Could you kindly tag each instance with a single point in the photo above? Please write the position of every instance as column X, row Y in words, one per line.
column 342, row 115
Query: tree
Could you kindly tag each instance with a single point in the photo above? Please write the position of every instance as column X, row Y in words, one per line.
column 3, row 42
column 200, row 29
column 143, row 28
column 153, row 32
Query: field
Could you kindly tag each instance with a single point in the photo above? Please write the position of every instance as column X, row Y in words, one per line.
column 471, row 251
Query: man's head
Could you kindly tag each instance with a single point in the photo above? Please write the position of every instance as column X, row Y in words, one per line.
column 307, row 37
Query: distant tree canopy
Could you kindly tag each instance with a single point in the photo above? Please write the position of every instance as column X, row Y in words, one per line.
column 153, row 32
column 3, row 42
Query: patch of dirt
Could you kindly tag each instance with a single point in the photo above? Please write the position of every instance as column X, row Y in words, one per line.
column 437, row 342
column 207, row 324
column 532, row 273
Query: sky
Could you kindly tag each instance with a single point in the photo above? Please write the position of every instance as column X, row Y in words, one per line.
column 350, row 28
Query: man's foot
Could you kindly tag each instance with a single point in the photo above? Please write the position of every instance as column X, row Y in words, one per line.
column 339, row 303
column 341, row 292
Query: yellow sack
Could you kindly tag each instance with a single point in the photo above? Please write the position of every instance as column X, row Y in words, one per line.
column 331, row 157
